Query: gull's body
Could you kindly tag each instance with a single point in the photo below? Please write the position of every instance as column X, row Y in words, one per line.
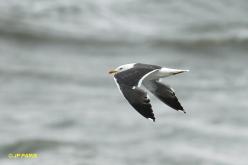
column 130, row 77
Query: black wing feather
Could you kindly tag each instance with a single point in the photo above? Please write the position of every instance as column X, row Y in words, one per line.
column 165, row 94
column 138, row 99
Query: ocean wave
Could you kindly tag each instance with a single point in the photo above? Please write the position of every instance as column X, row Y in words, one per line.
column 38, row 36
column 126, row 32
column 201, row 127
column 206, row 154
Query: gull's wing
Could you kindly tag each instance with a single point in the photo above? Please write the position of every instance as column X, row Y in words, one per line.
column 138, row 99
column 129, row 81
column 133, row 77
column 164, row 93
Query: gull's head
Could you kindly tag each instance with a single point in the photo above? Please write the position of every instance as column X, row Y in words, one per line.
column 121, row 68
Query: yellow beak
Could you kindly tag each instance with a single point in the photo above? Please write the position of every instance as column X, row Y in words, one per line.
column 112, row 71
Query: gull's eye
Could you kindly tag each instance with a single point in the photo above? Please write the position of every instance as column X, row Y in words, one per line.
column 121, row 68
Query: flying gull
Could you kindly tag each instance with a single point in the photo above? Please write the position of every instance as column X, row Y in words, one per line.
column 130, row 77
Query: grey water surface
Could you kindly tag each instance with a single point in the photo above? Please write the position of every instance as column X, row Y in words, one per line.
column 57, row 100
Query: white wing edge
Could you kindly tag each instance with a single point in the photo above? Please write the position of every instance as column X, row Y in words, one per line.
column 118, row 86
column 145, row 76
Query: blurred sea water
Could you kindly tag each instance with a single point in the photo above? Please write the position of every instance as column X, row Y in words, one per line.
column 57, row 100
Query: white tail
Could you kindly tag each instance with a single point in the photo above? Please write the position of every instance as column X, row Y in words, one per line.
column 165, row 72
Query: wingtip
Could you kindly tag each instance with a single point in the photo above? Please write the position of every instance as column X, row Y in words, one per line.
column 152, row 119
column 181, row 110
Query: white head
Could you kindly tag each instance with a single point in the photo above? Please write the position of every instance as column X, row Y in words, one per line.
column 122, row 68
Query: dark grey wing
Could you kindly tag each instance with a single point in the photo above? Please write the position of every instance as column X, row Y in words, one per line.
column 131, row 77
column 164, row 93
column 138, row 99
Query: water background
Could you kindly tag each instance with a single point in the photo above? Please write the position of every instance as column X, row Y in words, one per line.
column 57, row 100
